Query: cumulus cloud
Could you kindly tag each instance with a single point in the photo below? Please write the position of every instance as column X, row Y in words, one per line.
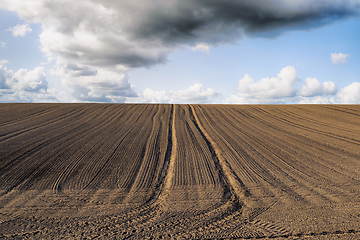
column 313, row 87
column 5, row 78
column 104, row 86
column 152, row 96
column 194, row 94
column 317, row 100
column 4, row 61
column 339, row 58
column 202, row 48
column 142, row 33
column 282, row 86
column 23, row 79
column 283, row 89
column 350, row 94
column 94, row 37
column 31, row 81
column 86, row 83
column 236, row 99
column 26, row 86
column 347, row 95
column 20, row 30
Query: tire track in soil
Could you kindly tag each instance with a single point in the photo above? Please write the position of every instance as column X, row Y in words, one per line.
column 260, row 142
column 319, row 177
column 273, row 154
column 226, row 183
column 146, row 212
column 133, row 219
column 143, row 219
column 252, row 227
column 163, row 225
column 151, row 220
column 226, row 220
column 160, row 185
column 274, row 182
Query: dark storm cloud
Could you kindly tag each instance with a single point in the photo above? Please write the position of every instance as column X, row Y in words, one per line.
column 132, row 34
column 214, row 21
column 96, row 42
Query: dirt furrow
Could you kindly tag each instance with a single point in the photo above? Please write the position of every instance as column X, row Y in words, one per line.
column 36, row 140
column 305, row 183
column 304, row 178
column 321, row 132
column 21, row 113
column 168, row 165
column 34, row 153
column 220, row 166
column 149, row 171
column 10, row 132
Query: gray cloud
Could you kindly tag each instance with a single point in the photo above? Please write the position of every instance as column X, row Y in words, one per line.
column 77, row 71
column 117, row 35
column 132, row 34
column 213, row 21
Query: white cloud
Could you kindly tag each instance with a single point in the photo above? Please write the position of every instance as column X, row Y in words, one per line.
column 202, row 48
column 5, row 77
column 313, row 87
column 339, row 58
column 88, row 84
column 107, row 38
column 104, row 86
column 132, row 34
column 20, row 30
column 236, row 99
column 155, row 96
column 350, row 94
column 317, row 100
column 194, row 94
column 282, row 89
column 282, row 86
column 23, row 80
column 31, row 81
column 26, row 86
column 2, row 44
column 149, row 96
column 4, row 61
column 347, row 95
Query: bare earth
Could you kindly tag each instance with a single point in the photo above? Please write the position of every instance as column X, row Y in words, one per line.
column 127, row 171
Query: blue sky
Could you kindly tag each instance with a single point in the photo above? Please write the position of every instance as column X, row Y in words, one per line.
column 49, row 59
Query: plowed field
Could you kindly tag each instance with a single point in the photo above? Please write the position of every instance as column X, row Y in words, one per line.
column 137, row 171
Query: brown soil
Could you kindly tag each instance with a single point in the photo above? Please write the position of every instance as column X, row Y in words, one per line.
column 127, row 171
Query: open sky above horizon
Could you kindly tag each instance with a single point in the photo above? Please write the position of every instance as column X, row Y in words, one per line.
column 188, row 51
